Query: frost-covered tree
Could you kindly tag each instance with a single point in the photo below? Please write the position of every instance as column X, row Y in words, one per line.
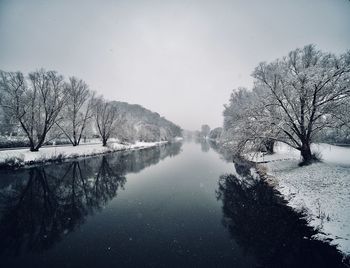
column 294, row 100
column 141, row 123
column 107, row 118
column 8, row 125
column 205, row 130
column 34, row 101
column 246, row 125
column 78, row 110
column 147, row 132
column 236, row 120
column 306, row 89
column 126, row 133
column 215, row 133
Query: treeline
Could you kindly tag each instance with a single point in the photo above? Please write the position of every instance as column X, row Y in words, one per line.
column 43, row 106
column 299, row 99
column 142, row 124
column 206, row 133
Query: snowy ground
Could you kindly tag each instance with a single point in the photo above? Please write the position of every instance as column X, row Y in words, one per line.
column 25, row 157
column 322, row 190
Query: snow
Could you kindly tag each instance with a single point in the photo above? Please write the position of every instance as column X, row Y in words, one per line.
column 322, row 190
column 25, row 157
column 178, row 138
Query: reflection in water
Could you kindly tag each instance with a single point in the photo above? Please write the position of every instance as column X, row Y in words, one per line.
column 205, row 146
column 225, row 154
column 261, row 223
column 42, row 204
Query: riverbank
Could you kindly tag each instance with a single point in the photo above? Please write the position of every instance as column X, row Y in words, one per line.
column 320, row 190
column 24, row 157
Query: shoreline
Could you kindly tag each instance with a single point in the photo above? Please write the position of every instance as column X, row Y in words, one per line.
column 319, row 235
column 321, row 190
column 21, row 158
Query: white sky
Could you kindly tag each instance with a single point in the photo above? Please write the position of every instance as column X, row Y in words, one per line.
column 178, row 58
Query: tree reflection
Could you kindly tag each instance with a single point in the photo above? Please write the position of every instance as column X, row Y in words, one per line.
column 225, row 154
column 45, row 203
column 261, row 223
column 205, row 147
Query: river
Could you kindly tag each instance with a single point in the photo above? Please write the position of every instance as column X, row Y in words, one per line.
column 177, row 205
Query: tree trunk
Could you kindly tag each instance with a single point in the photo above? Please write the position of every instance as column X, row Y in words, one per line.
column 305, row 151
column 40, row 143
column 41, row 140
column 269, row 145
column 32, row 146
column 104, row 142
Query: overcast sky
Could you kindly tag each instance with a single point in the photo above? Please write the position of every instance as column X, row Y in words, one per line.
column 180, row 58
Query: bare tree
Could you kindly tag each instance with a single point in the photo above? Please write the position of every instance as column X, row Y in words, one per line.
column 106, row 118
column 35, row 102
column 78, row 110
column 306, row 88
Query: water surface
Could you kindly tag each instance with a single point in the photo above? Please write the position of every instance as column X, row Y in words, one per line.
column 169, row 206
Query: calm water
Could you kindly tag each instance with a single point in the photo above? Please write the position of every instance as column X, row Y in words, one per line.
column 170, row 206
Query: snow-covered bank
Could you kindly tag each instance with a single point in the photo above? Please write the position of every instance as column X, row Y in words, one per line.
column 322, row 190
column 23, row 157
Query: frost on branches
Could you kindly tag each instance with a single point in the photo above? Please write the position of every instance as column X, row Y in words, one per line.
column 294, row 100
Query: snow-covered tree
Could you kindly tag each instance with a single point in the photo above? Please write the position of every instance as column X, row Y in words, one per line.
column 205, row 130
column 107, row 118
column 215, row 133
column 35, row 102
column 246, row 122
column 8, row 125
column 147, row 132
column 294, row 100
column 78, row 110
column 141, row 123
column 306, row 89
column 126, row 132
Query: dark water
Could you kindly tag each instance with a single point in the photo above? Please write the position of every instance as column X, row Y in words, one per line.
column 170, row 206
